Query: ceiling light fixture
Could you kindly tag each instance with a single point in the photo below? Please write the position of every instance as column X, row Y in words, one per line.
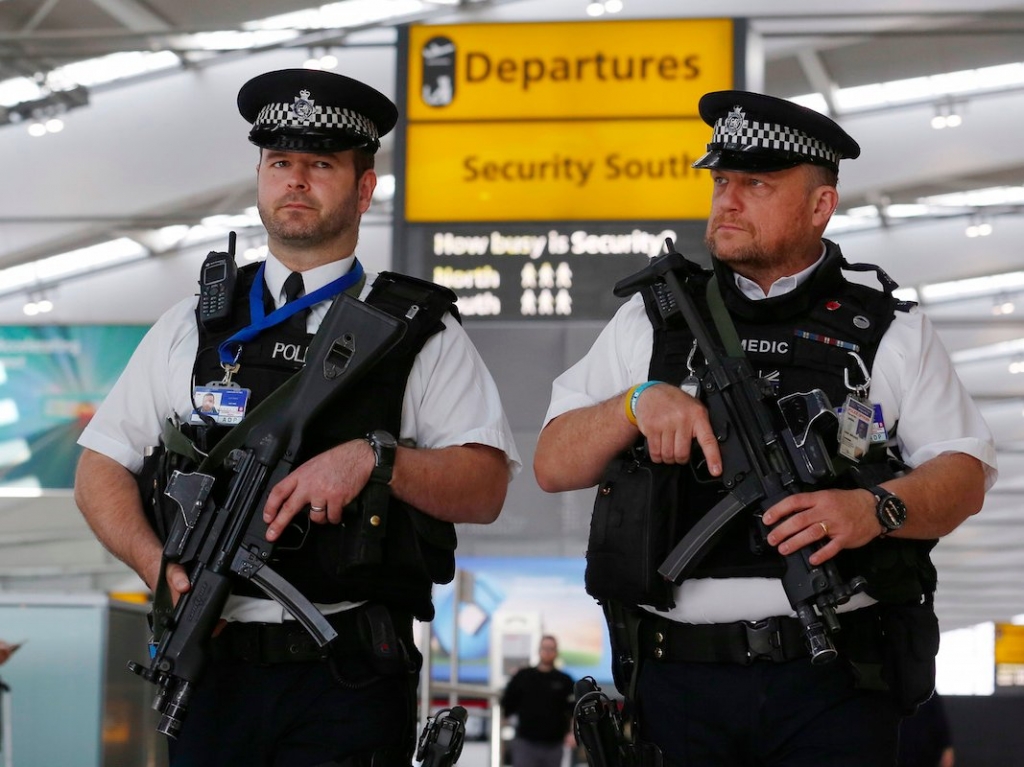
column 1003, row 305
column 947, row 115
column 978, row 227
column 37, row 304
column 597, row 8
column 45, row 112
column 326, row 60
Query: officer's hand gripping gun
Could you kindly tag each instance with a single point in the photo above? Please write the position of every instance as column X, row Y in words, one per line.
column 220, row 536
column 440, row 743
column 761, row 465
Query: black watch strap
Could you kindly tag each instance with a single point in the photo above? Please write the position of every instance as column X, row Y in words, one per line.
column 384, row 447
column 890, row 510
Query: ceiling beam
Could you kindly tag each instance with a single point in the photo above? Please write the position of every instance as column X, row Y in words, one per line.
column 132, row 15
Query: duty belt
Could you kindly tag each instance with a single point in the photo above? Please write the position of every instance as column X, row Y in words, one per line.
column 744, row 642
column 286, row 642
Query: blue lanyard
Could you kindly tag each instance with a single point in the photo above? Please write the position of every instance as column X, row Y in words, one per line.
column 259, row 321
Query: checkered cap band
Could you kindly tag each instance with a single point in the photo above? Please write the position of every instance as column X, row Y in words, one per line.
column 279, row 116
column 771, row 136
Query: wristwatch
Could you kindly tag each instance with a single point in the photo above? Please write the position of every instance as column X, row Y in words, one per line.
column 890, row 510
column 384, row 447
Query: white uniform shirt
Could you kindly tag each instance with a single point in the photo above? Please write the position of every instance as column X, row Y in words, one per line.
column 912, row 379
column 450, row 398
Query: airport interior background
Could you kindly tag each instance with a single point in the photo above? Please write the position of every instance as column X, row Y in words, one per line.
column 125, row 161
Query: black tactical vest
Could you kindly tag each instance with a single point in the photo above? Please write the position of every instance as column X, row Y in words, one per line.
column 797, row 342
column 418, row 549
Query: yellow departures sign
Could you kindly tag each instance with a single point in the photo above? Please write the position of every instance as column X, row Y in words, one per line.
column 588, row 121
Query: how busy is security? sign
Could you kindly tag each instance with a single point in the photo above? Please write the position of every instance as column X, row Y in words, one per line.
column 561, row 121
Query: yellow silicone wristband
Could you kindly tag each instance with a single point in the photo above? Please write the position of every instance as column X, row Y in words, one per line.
column 632, row 396
column 628, row 402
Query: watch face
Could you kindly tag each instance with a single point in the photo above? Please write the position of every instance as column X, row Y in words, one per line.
column 383, row 438
column 892, row 512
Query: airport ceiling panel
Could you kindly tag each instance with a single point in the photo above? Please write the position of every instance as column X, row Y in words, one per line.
column 140, row 155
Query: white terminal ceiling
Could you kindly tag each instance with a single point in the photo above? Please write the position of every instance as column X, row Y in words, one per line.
column 169, row 148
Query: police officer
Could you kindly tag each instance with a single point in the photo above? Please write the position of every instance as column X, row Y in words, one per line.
column 724, row 676
column 425, row 423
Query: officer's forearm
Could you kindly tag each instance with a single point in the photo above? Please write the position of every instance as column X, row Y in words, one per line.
column 464, row 483
column 574, row 448
column 108, row 498
column 940, row 494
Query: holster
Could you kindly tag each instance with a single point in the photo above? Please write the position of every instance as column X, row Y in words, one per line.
column 911, row 642
column 903, row 663
column 385, row 647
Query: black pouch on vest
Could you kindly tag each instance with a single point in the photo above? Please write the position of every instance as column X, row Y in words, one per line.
column 153, row 478
column 631, row 531
column 415, row 543
column 911, row 642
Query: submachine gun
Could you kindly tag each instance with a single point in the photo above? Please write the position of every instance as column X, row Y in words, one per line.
column 761, row 464
column 217, row 541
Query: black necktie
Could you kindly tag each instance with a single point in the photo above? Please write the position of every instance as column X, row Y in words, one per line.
column 293, row 288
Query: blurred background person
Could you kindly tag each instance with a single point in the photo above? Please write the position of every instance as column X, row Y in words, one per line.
column 541, row 697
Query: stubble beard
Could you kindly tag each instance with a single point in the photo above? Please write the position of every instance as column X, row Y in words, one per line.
column 755, row 258
column 306, row 231
column 748, row 255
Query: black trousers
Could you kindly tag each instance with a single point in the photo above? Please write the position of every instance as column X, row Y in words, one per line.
column 292, row 715
column 790, row 714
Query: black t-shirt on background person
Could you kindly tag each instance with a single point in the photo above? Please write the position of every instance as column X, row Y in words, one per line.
column 543, row 701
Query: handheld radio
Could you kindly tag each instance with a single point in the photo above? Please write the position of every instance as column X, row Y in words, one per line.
column 217, row 286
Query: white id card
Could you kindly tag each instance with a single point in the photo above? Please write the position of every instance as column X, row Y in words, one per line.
column 224, row 405
column 855, row 428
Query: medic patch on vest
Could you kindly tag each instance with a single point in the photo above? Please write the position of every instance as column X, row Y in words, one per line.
column 776, row 346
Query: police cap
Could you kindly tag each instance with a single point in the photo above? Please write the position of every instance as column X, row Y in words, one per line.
column 309, row 110
column 754, row 132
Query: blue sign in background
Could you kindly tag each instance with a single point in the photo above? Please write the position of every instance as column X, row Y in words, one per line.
column 548, row 589
column 52, row 379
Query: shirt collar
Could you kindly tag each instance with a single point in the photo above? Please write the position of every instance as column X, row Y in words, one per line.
column 781, row 286
column 275, row 273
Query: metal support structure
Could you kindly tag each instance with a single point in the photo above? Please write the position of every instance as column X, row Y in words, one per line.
column 453, row 688
column 5, row 725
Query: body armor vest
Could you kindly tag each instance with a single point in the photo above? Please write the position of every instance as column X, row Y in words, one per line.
column 797, row 342
column 418, row 550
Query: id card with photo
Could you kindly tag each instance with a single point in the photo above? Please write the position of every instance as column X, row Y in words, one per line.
column 224, row 405
column 855, row 422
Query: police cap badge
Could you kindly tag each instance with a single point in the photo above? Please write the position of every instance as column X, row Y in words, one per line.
column 310, row 110
column 754, row 132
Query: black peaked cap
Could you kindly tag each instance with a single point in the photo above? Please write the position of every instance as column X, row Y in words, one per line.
column 310, row 110
column 755, row 132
